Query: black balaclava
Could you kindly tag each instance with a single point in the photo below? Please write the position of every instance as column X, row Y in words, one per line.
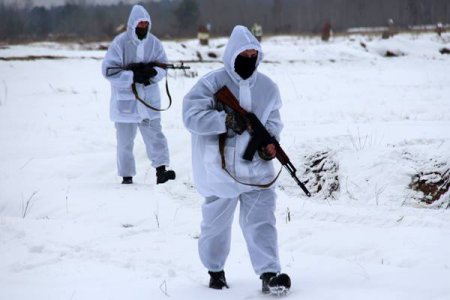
column 141, row 32
column 245, row 66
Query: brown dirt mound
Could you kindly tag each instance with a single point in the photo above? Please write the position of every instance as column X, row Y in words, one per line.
column 321, row 174
column 432, row 185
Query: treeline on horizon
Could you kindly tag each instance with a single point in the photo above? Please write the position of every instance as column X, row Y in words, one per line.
column 180, row 18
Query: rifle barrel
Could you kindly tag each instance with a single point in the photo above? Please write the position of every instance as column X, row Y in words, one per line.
column 299, row 183
column 225, row 96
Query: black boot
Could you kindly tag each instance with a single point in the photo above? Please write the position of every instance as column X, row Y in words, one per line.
column 217, row 280
column 163, row 175
column 265, row 278
column 275, row 284
column 127, row 180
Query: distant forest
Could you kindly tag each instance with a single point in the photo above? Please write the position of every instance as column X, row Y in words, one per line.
column 180, row 18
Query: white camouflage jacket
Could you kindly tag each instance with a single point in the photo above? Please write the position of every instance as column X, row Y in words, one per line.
column 257, row 94
column 126, row 48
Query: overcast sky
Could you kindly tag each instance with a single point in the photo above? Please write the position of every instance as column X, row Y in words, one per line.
column 48, row 3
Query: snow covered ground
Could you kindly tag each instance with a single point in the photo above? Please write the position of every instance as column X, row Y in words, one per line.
column 70, row 230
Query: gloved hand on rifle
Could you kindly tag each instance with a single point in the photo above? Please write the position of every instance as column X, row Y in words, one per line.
column 235, row 122
column 267, row 152
column 142, row 72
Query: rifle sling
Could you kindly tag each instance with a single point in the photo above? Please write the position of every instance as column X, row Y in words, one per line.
column 136, row 94
column 222, row 138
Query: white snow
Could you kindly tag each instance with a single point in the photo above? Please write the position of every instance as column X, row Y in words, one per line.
column 70, row 230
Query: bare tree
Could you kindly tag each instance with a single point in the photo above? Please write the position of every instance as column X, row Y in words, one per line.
column 187, row 14
column 78, row 19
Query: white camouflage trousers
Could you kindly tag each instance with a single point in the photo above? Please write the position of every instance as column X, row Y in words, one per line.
column 154, row 140
column 257, row 221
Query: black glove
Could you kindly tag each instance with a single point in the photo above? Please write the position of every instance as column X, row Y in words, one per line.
column 149, row 70
column 142, row 72
column 139, row 77
column 235, row 122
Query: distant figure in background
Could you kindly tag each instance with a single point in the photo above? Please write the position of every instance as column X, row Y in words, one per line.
column 439, row 29
column 137, row 45
column 391, row 31
column 203, row 35
column 206, row 120
column 391, row 28
column 257, row 31
column 326, row 31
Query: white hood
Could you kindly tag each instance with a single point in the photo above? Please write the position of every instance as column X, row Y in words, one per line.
column 241, row 39
column 138, row 14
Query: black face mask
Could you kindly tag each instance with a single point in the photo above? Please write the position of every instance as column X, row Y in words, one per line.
column 141, row 32
column 245, row 66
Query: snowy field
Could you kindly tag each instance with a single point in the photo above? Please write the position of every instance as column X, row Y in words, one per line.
column 70, row 230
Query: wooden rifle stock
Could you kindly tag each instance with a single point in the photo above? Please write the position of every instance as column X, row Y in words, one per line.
column 260, row 135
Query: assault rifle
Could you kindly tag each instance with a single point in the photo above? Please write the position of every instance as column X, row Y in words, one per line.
column 260, row 137
column 146, row 68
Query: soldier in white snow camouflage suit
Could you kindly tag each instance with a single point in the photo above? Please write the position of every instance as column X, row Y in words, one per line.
column 137, row 45
column 258, row 94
